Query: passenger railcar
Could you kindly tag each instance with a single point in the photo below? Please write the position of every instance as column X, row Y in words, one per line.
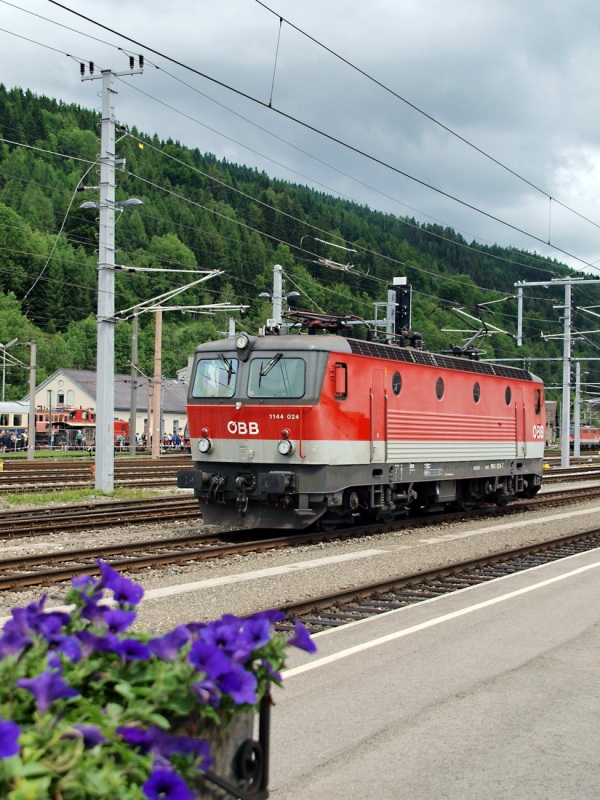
column 292, row 430
column 14, row 419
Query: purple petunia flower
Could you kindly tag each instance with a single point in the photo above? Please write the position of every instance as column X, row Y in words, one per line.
column 221, row 633
column 107, row 575
column 132, row 650
column 138, row 737
column 185, row 745
column 48, row 686
column 83, row 582
column 168, row 646
column 68, row 646
column 209, row 659
column 13, row 642
column 239, row 685
column 9, row 738
column 33, row 619
column 195, row 628
column 125, row 592
column 206, row 691
column 166, row 785
column 162, row 745
column 90, row 643
column 117, row 620
column 94, row 610
column 91, row 734
column 256, row 632
column 301, row 638
column 272, row 615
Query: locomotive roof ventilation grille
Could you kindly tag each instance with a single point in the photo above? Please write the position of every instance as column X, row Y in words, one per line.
column 409, row 356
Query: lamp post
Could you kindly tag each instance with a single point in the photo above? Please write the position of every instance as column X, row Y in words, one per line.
column 4, row 347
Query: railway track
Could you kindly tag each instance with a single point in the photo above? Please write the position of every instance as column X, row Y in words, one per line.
column 31, row 477
column 358, row 603
column 90, row 516
column 50, row 567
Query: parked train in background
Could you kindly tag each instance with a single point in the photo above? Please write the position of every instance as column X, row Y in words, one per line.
column 14, row 422
column 589, row 437
column 290, row 431
column 61, row 426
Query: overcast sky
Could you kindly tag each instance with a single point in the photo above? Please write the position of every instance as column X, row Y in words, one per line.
column 494, row 103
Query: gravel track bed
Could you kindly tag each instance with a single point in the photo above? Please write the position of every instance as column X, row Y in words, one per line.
column 399, row 553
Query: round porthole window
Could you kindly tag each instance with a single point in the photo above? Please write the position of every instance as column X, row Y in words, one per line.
column 396, row 383
column 439, row 388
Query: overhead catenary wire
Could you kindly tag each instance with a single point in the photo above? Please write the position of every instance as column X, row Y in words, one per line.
column 324, row 134
column 407, row 222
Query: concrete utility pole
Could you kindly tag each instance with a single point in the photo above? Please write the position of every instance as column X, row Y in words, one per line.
column 565, row 425
column 105, row 363
column 133, row 393
column 577, row 412
column 157, row 387
column 31, row 431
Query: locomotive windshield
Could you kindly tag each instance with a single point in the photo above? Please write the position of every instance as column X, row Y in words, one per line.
column 277, row 377
column 215, row 377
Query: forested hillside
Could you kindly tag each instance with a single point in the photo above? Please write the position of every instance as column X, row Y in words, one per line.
column 202, row 213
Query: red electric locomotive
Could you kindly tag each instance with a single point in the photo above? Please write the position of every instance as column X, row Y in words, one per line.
column 291, row 430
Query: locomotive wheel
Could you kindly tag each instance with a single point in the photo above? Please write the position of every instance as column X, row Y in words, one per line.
column 332, row 520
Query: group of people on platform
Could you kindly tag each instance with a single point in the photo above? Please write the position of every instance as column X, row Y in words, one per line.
column 11, row 440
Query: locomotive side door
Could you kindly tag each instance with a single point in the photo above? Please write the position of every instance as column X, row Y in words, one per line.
column 521, row 426
column 378, row 426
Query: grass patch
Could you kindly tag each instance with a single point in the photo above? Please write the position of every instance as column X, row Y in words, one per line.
column 77, row 496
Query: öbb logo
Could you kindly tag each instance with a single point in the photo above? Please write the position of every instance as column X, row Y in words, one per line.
column 539, row 432
column 243, row 428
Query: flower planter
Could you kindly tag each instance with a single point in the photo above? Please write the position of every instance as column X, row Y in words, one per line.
column 241, row 761
column 90, row 709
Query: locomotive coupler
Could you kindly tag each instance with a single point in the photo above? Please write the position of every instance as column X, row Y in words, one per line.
column 242, row 498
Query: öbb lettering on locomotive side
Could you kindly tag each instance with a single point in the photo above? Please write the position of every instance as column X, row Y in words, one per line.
column 243, row 428
column 294, row 430
column 539, row 432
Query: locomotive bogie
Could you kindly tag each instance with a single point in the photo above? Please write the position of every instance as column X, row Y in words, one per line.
column 298, row 429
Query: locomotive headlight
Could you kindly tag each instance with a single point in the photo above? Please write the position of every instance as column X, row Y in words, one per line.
column 204, row 445
column 285, row 447
column 242, row 341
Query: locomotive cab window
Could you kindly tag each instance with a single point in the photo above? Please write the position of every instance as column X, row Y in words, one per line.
column 215, row 377
column 277, row 376
column 538, row 401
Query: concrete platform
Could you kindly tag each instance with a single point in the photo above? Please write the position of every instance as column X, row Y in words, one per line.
column 491, row 692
